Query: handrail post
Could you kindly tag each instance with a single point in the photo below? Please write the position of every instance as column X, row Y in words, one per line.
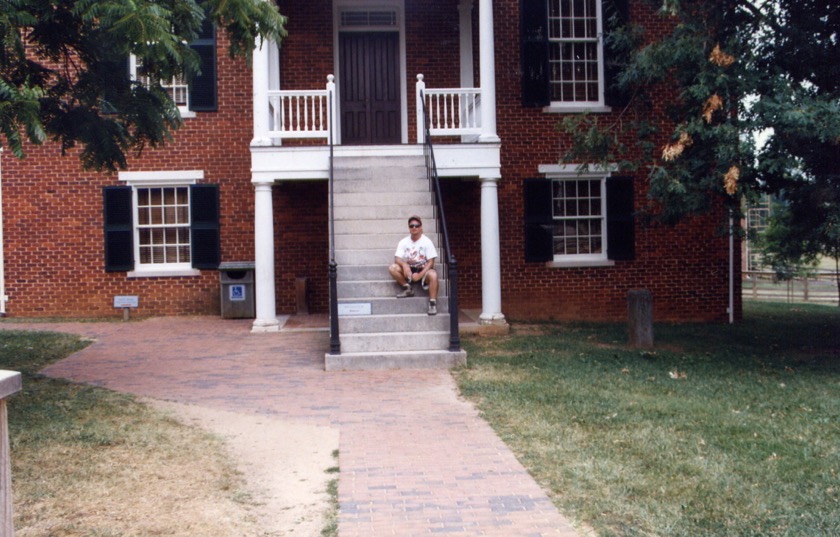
column 335, row 339
column 331, row 106
column 10, row 383
column 452, row 279
column 420, row 107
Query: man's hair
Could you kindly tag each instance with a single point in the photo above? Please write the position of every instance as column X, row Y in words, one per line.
column 412, row 218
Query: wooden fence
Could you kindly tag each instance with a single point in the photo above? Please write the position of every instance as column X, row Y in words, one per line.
column 819, row 288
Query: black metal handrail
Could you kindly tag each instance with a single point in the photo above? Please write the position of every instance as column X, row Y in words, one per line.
column 451, row 263
column 335, row 341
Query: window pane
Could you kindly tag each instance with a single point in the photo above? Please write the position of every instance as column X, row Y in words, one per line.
column 578, row 224
column 573, row 34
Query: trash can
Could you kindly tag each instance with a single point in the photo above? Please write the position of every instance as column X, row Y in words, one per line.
column 237, row 288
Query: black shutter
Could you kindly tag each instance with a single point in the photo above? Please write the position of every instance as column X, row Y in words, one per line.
column 620, row 221
column 616, row 14
column 204, row 229
column 534, row 62
column 539, row 220
column 119, row 228
column 203, row 86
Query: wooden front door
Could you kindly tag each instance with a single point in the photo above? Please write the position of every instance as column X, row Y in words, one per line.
column 370, row 87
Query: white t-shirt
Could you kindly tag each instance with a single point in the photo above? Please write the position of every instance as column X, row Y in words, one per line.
column 416, row 253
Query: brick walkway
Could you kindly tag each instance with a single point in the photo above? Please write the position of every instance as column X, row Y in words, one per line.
column 415, row 458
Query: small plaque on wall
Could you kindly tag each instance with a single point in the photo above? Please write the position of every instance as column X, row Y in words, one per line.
column 126, row 301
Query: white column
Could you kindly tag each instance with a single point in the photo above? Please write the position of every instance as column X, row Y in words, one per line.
column 259, row 75
column 266, row 320
column 487, row 64
column 466, row 43
column 491, row 277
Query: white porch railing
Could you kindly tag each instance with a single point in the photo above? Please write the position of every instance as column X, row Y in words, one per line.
column 451, row 111
column 301, row 113
column 307, row 113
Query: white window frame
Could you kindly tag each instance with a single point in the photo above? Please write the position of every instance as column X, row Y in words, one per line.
column 556, row 173
column 176, row 84
column 160, row 179
column 598, row 105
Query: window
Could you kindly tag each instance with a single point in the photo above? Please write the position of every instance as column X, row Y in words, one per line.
column 567, row 63
column 161, row 224
column 200, row 95
column 578, row 214
column 578, row 219
column 575, row 52
column 176, row 87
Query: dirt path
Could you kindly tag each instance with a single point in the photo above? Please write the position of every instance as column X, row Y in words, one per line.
column 284, row 464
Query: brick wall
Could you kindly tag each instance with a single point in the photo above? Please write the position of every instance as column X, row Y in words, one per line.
column 684, row 267
column 53, row 227
column 53, row 210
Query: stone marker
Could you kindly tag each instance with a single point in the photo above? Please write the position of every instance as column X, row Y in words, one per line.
column 640, row 318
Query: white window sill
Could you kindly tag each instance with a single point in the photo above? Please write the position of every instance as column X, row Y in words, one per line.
column 580, row 263
column 163, row 273
column 186, row 113
column 576, row 109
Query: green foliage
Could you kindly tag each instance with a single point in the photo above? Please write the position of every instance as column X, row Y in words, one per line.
column 804, row 226
column 63, row 69
column 755, row 108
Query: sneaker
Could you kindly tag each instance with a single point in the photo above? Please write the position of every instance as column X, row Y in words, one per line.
column 432, row 307
column 406, row 292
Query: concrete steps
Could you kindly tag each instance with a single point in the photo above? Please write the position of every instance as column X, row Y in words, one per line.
column 373, row 199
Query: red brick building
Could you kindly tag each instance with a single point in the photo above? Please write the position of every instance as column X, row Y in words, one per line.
column 245, row 178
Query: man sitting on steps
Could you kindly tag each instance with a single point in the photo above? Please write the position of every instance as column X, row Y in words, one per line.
column 414, row 261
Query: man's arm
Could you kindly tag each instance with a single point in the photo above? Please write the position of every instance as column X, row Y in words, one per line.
column 430, row 264
column 406, row 270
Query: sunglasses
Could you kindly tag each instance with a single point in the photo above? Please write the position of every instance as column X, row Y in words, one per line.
column 414, row 225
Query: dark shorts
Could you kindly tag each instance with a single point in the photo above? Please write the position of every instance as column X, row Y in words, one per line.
column 415, row 270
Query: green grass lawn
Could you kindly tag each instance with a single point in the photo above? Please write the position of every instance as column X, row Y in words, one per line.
column 92, row 462
column 721, row 430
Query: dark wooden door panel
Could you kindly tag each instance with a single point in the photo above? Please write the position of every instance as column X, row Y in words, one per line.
column 370, row 97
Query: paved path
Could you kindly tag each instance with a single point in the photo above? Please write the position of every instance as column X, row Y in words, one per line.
column 415, row 459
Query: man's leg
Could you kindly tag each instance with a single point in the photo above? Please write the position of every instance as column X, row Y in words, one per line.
column 431, row 280
column 397, row 273
column 398, row 276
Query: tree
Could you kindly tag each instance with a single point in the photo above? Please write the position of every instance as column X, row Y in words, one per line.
column 63, row 74
column 805, row 226
column 756, row 110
